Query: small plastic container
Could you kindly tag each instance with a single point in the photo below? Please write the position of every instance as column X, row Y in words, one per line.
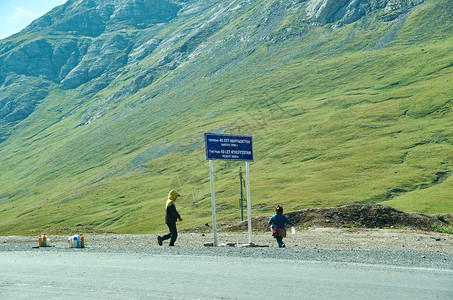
column 76, row 241
column 82, row 241
column 72, row 241
column 44, row 240
column 293, row 230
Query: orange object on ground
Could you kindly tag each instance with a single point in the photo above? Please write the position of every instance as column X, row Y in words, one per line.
column 44, row 240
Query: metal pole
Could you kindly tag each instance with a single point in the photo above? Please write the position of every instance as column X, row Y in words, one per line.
column 214, row 226
column 241, row 200
column 249, row 203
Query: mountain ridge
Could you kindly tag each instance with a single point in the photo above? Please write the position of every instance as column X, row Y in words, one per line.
column 102, row 115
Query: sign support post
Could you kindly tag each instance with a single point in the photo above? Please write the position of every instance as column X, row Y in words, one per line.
column 249, row 202
column 241, row 199
column 235, row 148
column 214, row 226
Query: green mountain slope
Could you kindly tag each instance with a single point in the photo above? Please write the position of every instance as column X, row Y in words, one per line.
column 347, row 105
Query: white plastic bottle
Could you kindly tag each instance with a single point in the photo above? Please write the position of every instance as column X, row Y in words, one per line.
column 47, row 242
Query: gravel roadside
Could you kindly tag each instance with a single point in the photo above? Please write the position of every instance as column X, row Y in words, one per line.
column 316, row 239
column 375, row 246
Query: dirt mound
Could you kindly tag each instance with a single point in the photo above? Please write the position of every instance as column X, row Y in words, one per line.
column 359, row 216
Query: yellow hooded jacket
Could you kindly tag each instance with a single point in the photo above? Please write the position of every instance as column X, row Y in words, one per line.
column 171, row 214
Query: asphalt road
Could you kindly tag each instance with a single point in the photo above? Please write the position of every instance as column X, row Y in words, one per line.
column 219, row 273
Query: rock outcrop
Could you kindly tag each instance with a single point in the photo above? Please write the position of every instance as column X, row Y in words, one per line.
column 75, row 43
column 77, row 39
column 340, row 12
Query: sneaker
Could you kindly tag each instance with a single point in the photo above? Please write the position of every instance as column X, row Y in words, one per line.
column 159, row 240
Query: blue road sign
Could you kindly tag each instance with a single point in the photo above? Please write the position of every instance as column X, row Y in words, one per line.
column 228, row 147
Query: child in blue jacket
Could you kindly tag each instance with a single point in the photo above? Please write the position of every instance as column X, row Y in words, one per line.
column 277, row 223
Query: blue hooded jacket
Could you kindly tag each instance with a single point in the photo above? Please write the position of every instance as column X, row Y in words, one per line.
column 279, row 220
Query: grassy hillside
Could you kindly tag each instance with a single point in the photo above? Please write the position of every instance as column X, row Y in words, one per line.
column 357, row 114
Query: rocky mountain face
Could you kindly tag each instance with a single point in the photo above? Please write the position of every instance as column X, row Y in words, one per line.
column 87, row 43
column 66, row 40
column 342, row 12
